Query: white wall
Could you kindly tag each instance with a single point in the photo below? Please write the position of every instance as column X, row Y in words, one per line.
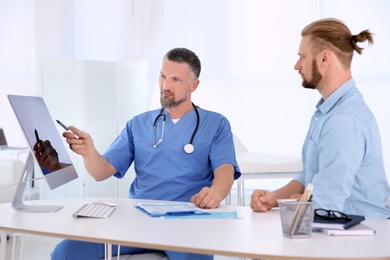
column 247, row 48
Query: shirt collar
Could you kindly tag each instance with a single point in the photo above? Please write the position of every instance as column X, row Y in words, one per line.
column 325, row 105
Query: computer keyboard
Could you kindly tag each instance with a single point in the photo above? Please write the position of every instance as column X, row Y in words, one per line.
column 94, row 210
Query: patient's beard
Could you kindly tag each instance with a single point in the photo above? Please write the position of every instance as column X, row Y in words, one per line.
column 316, row 78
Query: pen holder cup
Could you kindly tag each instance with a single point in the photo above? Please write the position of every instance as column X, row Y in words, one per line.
column 296, row 218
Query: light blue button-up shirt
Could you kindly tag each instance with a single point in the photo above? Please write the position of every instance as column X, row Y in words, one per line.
column 342, row 156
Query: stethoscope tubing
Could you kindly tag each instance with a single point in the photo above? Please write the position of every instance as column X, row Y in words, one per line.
column 164, row 118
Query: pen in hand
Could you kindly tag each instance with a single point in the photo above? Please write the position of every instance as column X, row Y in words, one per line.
column 36, row 135
column 66, row 128
column 38, row 140
column 61, row 124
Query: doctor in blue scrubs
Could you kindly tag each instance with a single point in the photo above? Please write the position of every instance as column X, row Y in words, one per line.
column 181, row 152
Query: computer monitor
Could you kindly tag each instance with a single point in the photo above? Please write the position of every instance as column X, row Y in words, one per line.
column 46, row 148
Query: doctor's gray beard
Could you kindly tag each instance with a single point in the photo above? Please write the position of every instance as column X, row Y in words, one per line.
column 171, row 103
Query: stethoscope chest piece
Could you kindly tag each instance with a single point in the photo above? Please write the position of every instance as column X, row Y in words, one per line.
column 189, row 148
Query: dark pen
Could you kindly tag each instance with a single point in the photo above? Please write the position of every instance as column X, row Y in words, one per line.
column 66, row 128
column 61, row 124
column 36, row 135
column 38, row 141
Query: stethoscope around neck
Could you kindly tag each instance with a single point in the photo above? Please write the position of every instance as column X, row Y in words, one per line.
column 188, row 148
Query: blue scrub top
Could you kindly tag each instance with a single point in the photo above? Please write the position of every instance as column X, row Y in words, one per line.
column 167, row 172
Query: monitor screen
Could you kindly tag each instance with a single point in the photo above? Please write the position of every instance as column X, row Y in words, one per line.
column 44, row 139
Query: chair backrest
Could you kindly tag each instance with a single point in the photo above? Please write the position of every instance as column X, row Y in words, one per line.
column 238, row 145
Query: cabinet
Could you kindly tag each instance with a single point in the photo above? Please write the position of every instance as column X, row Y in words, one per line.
column 10, row 171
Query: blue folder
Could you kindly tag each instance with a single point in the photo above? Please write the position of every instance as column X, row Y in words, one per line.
column 170, row 209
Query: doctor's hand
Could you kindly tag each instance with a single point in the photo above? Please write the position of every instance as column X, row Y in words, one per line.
column 262, row 200
column 79, row 142
column 207, row 199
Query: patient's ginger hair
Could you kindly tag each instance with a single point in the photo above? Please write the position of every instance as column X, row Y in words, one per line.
column 333, row 34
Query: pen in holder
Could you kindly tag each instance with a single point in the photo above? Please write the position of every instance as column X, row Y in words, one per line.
column 297, row 216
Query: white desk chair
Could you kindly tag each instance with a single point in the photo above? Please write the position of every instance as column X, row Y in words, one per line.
column 255, row 165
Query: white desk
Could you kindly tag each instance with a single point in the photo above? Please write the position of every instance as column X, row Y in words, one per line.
column 257, row 235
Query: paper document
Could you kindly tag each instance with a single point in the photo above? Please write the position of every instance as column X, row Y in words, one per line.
column 357, row 230
column 170, row 209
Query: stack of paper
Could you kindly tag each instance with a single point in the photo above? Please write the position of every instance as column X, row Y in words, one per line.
column 357, row 230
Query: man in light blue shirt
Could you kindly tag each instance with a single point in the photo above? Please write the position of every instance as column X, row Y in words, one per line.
column 342, row 152
column 180, row 152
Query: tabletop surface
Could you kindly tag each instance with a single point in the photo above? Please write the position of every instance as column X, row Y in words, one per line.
column 254, row 235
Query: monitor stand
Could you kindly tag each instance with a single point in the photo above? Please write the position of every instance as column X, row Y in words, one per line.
column 17, row 203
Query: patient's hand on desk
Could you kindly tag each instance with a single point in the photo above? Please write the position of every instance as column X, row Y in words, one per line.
column 262, row 200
